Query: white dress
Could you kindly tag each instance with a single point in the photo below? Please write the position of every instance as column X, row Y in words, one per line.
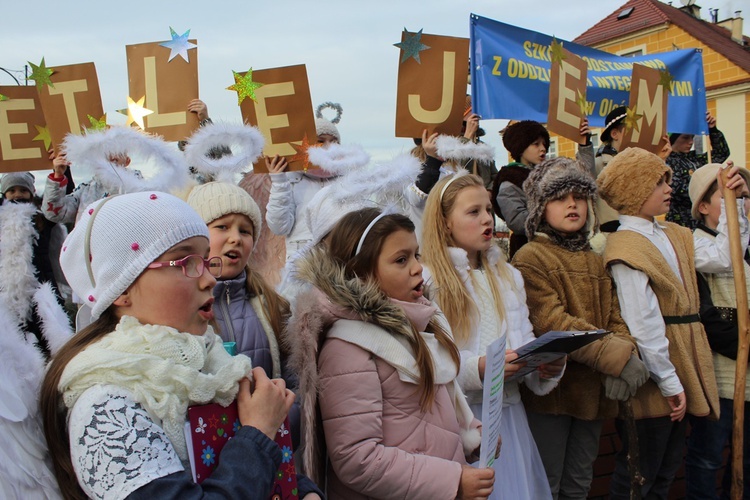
column 519, row 472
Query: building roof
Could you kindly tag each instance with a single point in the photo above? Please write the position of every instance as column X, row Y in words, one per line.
column 651, row 13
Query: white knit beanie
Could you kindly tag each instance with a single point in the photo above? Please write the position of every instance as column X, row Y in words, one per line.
column 118, row 237
column 325, row 126
column 217, row 199
column 12, row 179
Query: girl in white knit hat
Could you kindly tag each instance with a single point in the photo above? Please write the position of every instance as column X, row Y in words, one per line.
column 115, row 397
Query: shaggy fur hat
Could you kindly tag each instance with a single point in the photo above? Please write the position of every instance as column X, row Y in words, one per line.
column 13, row 179
column 701, row 180
column 521, row 135
column 118, row 237
column 551, row 180
column 217, row 199
column 629, row 179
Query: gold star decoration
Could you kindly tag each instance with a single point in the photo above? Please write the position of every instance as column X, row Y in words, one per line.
column 632, row 119
column 4, row 98
column 556, row 51
column 302, row 153
column 135, row 112
column 100, row 124
column 43, row 135
column 666, row 79
column 244, row 86
column 581, row 102
column 40, row 74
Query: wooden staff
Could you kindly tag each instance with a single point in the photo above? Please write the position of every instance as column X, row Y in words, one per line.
column 634, row 456
column 743, row 323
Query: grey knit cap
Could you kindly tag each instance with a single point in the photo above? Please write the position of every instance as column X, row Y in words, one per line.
column 23, row 179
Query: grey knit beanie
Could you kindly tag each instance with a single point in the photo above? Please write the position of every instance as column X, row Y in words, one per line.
column 23, row 179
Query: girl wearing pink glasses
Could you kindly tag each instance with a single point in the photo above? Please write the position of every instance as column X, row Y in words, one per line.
column 115, row 397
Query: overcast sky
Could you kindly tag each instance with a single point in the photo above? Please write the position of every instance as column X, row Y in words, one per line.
column 347, row 45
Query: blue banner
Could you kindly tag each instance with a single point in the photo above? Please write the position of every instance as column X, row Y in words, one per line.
column 510, row 72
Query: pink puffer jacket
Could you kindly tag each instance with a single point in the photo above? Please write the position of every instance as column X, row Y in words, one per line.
column 380, row 444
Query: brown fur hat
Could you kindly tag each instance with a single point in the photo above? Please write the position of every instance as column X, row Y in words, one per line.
column 520, row 135
column 551, row 180
column 629, row 179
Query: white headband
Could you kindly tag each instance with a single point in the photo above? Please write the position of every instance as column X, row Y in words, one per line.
column 367, row 230
column 455, row 176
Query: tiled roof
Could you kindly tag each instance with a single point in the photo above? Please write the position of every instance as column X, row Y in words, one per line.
column 650, row 13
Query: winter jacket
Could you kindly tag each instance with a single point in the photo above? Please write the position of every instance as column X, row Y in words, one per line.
column 573, row 291
column 683, row 165
column 241, row 319
column 379, row 442
column 290, row 193
column 58, row 206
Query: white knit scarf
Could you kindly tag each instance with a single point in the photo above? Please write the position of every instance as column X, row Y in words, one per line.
column 165, row 370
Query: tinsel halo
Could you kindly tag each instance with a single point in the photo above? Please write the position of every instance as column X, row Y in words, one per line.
column 330, row 105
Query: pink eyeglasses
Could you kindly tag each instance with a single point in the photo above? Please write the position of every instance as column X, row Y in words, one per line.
column 193, row 265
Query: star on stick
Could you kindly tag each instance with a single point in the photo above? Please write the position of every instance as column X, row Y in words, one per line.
column 666, row 79
column 135, row 112
column 302, row 153
column 411, row 46
column 100, row 124
column 40, row 74
column 244, row 86
column 178, row 45
column 581, row 102
column 43, row 135
column 632, row 118
column 556, row 51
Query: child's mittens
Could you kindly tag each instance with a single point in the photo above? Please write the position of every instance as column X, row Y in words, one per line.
column 633, row 375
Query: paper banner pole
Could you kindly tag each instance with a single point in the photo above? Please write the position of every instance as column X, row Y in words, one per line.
column 708, row 149
column 743, row 323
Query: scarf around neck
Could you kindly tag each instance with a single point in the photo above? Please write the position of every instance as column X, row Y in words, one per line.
column 164, row 369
